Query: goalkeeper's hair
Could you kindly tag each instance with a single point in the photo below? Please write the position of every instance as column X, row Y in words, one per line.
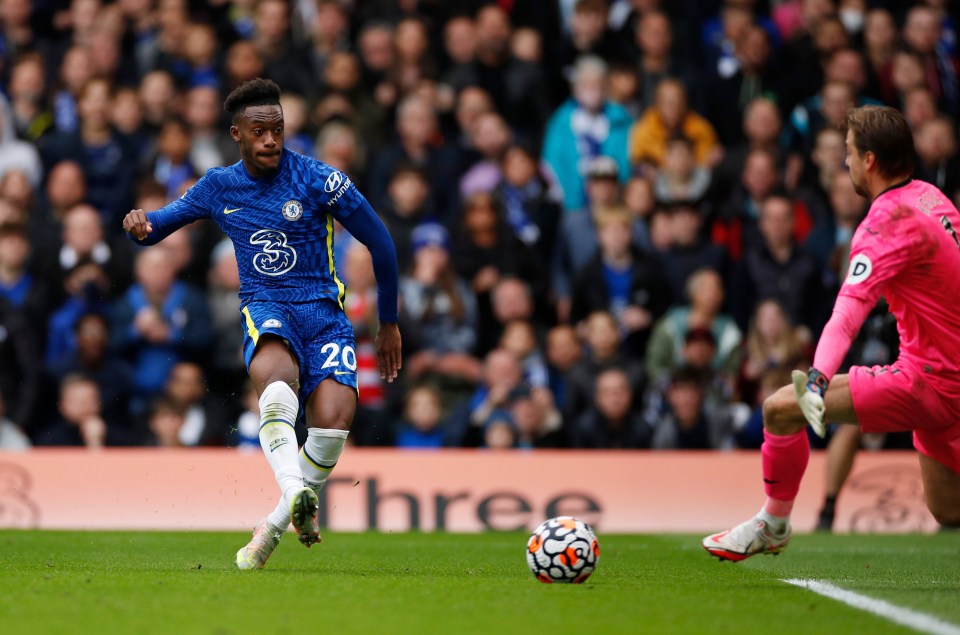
column 256, row 92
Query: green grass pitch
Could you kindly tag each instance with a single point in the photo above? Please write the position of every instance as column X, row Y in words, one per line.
column 144, row 582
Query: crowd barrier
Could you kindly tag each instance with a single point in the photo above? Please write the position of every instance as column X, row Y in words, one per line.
column 450, row 490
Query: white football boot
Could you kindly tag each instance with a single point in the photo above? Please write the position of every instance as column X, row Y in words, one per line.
column 747, row 539
column 265, row 539
column 303, row 515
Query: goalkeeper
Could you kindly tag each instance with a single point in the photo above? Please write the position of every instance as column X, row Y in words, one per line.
column 907, row 250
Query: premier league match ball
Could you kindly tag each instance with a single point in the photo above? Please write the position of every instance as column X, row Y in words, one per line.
column 563, row 549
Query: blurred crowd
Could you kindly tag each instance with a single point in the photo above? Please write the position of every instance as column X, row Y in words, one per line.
column 619, row 223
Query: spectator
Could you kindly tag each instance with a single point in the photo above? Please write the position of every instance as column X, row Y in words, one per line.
column 81, row 421
column 489, row 136
column 705, row 294
column 511, row 299
column 204, row 419
column 755, row 76
column 16, row 154
column 762, row 126
column 438, row 311
column 735, row 226
column 936, row 144
column 107, row 159
column 585, row 127
column 529, row 202
column 407, row 206
column 12, row 438
column 171, row 165
column 20, row 366
column 517, row 87
column 922, row 34
column 919, row 107
column 772, row 341
column 879, row 43
column 371, row 424
column 418, row 143
column 83, row 241
column 659, row 59
column 780, row 269
column 85, row 289
column 338, row 145
column 210, row 147
column 76, row 69
column 687, row 424
column 19, row 288
column 621, row 280
column 91, row 357
column 245, row 434
column 157, row 323
column 485, row 251
column 612, row 422
column 590, row 34
column 165, row 421
column 577, row 240
column 422, row 424
column 829, row 242
column 603, row 352
column 285, row 61
column 501, row 374
column 535, row 419
column 687, row 248
column 27, row 90
column 680, row 178
column 66, row 188
column 294, row 108
column 564, row 350
column 520, row 339
column 668, row 116
column 223, row 284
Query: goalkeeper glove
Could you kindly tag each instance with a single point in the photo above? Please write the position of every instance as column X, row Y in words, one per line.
column 810, row 389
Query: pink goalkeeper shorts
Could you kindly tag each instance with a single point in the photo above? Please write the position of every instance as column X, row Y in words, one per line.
column 903, row 397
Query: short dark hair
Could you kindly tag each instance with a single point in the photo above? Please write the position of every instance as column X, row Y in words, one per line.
column 884, row 132
column 256, row 92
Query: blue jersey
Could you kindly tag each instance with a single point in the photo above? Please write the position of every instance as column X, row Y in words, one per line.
column 281, row 227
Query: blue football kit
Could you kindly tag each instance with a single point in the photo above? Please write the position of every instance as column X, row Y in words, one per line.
column 282, row 231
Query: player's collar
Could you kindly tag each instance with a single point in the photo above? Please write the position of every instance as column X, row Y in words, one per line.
column 894, row 186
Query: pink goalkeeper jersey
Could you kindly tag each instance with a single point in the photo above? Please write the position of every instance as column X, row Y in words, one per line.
column 906, row 250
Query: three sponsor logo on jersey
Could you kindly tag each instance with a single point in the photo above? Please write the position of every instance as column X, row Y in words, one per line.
column 337, row 184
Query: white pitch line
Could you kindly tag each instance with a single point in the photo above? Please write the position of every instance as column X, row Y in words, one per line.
column 897, row 614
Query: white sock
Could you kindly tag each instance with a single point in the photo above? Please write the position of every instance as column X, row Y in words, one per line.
column 318, row 457
column 777, row 524
column 278, row 414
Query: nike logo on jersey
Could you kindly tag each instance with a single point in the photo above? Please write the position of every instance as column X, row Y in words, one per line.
column 343, row 372
column 227, row 210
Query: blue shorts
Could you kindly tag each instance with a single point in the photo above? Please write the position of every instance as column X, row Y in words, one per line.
column 318, row 334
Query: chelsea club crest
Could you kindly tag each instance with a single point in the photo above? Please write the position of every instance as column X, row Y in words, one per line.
column 292, row 210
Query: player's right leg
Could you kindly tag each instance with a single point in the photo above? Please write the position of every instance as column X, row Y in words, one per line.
column 941, row 487
column 275, row 375
column 785, row 452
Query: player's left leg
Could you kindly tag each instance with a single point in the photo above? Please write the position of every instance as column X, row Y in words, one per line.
column 330, row 409
column 785, row 453
column 941, row 487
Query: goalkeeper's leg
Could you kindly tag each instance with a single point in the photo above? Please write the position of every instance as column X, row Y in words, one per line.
column 785, row 452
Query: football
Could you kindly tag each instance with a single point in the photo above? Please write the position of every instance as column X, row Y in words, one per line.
column 563, row 549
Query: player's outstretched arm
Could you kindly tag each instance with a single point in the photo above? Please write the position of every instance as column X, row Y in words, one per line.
column 136, row 224
column 149, row 228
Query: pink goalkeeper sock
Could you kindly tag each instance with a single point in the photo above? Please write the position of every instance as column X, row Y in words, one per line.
column 784, row 462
